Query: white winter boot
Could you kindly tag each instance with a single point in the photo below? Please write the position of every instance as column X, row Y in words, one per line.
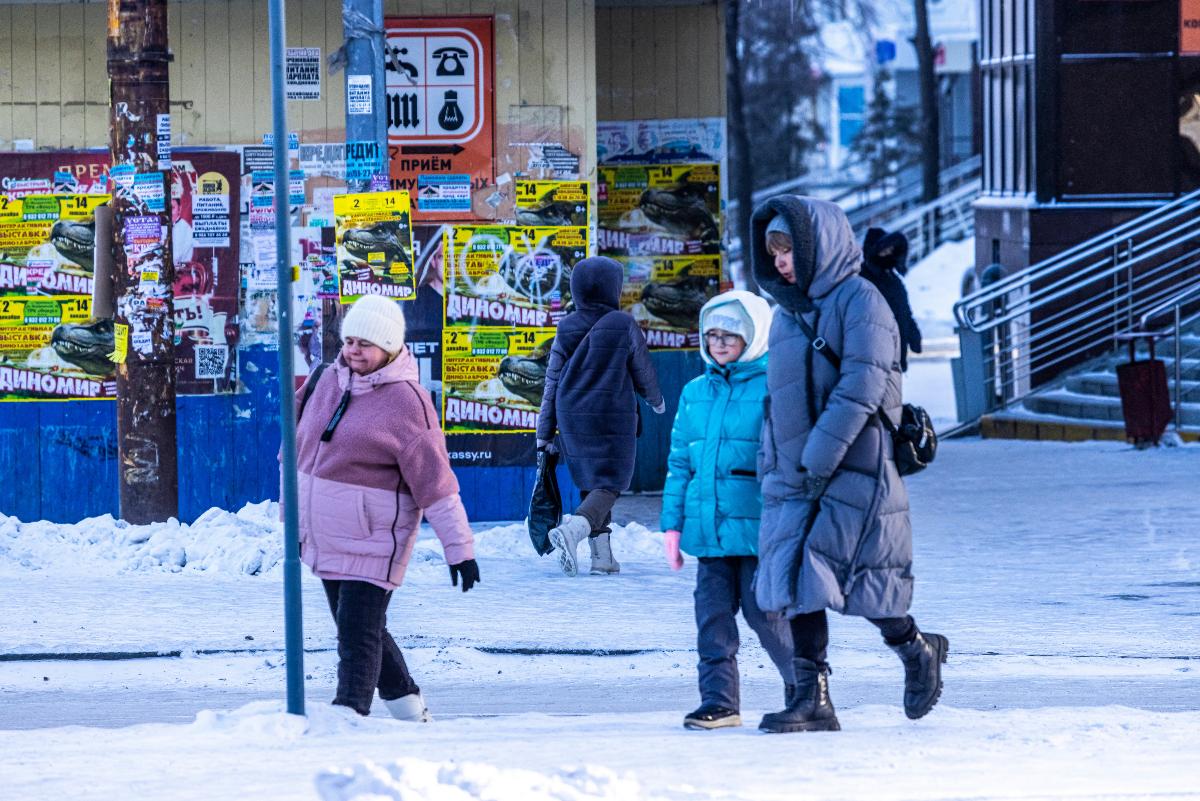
column 565, row 537
column 409, row 707
column 603, row 563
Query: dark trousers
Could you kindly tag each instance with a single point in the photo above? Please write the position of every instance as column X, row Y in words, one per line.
column 596, row 506
column 723, row 584
column 810, row 633
column 368, row 657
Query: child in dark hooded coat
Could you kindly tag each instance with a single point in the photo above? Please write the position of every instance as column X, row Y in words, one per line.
column 598, row 362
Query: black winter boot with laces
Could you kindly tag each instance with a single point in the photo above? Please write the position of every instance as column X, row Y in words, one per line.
column 809, row 708
column 923, row 658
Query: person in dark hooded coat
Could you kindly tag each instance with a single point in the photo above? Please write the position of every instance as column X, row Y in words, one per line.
column 885, row 259
column 598, row 365
column 835, row 531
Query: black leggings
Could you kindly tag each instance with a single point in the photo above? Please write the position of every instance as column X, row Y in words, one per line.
column 810, row 634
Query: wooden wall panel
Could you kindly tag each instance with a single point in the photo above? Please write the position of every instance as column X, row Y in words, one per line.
column 48, row 84
column 660, row 63
column 546, row 55
column 95, row 78
column 6, row 76
column 243, row 93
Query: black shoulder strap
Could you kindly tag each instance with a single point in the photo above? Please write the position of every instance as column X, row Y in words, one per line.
column 822, row 347
column 310, row 386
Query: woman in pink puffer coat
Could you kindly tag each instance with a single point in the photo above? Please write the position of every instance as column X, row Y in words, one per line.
column 372, row 461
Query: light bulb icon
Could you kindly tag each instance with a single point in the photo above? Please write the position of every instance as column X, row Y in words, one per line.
column 451, row 116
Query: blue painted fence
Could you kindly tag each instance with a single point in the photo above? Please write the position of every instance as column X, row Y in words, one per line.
column 58, row 460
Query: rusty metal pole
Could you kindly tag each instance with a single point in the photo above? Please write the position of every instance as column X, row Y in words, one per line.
column 143, row 269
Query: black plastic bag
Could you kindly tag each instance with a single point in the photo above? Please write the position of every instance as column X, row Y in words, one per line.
column 545, row 507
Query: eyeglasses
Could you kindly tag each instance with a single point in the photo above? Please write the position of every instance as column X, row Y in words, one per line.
column 724, row 340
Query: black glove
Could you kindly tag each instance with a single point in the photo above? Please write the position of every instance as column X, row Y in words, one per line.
column 469, row 570
column 812, row 487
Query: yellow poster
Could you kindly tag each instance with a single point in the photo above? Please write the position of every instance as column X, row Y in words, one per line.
column 665, row 293
column 659, row 210
column 508, row 275
column 374, row 246
column 560, row 203
column 51, row 349
column 492, row 379
column 48, row 244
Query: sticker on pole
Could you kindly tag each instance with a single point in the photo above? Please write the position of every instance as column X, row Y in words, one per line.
column 358, row 94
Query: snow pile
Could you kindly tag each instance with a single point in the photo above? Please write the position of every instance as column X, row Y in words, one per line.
column 934, row 285
column 246, row 543
column 419, row 780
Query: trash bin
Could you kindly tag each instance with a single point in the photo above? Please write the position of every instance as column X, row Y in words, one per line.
column 1145, row 398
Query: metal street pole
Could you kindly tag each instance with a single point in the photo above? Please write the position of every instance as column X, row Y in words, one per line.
column 293, row 624
column 362, row 25
column 143, row 269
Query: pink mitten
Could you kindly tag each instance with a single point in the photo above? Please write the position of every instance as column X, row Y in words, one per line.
column 671, row 546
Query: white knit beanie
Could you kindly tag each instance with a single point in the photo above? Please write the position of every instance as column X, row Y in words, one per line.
column 377, row 320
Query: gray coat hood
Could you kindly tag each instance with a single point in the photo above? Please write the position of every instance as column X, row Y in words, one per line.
column 824, row 252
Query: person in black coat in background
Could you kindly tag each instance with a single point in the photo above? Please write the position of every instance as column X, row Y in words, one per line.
column 598, row 362
column 885, row 259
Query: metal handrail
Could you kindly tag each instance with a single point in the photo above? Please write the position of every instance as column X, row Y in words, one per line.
column 967, row 311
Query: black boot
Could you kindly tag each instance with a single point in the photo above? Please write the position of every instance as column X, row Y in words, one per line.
column 788, row 691
column 922, row 658
column 809, row 708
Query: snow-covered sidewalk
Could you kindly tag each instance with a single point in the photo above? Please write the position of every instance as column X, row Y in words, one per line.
column 1066, row 576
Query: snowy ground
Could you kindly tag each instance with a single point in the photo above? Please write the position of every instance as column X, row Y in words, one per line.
column 1066, row 576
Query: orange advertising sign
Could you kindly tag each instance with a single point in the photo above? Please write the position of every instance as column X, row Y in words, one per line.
column 1189, row 27
column 441, row 119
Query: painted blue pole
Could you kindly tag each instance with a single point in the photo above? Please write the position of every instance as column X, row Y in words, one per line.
column 362, row 22
column 293, row 623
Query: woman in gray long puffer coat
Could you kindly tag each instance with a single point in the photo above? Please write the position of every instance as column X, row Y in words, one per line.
column 835, row 531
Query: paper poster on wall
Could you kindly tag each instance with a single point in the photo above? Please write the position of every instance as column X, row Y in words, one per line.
column 302, row 73
column 439, row 75
column 553, row 203
column 698, row 140
column 51, row 349
column 444, row 193
column 207, row 274
column 665, row 293
column 507, row 275
column 374, row 245
column 48, row 244
column 659, row 210
column 493, row 379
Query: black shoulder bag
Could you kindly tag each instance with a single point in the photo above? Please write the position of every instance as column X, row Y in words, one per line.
column 914, row 442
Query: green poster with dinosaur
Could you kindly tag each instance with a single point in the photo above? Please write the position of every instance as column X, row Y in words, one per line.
column 51, row 349
column 492, row 379
column 664, row 294
column 48, row 244
column 374, row 246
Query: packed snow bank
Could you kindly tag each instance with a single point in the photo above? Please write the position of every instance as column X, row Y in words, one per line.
column 420, row 780
column 934, row 285
column 259, row 752
column 248, row 542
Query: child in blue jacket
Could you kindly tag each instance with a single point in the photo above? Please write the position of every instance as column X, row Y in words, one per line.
column 712, row 503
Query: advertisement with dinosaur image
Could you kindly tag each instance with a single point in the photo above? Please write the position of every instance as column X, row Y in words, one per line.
column 48, row 244
column 52, row 349
column 659, row 210
column 548, row 203
column 374, row 245
column 665, row 293
column 509, row 275
column 492, row 380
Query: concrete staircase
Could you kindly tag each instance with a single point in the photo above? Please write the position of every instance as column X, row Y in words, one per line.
column 1086, row 404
